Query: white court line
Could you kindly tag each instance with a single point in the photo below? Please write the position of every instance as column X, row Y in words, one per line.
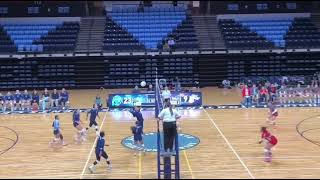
column 85, row 166
column 230, row 146
column 150, row 172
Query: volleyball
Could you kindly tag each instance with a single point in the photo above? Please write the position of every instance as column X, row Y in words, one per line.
column 143, row 83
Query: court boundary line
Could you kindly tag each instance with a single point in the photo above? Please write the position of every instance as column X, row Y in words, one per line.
column 88, row 159
column 188, row 163
column 152, row 172
column 301, row 133
column 15, row 142
column 230, row 146
column 140, row 166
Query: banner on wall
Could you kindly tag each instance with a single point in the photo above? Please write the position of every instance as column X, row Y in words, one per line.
column 148, row 99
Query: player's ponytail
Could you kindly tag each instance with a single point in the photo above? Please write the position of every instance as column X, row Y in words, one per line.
column 263, row 129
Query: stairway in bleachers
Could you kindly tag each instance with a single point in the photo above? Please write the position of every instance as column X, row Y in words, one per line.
column 91, row 34
column 208, row 32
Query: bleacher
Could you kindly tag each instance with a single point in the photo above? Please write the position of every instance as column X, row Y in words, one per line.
column 128, row 29
column 6, row 44
column 303, row 33
column 292, row 32
column 185, row 33
column 50, row 37
column 123, row 72
column 118, row 39
column 49, row 73
column 238, row 37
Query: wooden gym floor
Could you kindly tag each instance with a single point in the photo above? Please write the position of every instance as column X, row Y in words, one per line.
column 228, row 143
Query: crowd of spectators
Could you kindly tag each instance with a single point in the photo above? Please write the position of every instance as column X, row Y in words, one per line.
column 34, row 101
column 285, row 90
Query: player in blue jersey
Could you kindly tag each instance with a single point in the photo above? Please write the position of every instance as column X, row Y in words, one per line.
column 17, row 100
column 81, row 134
column 94, row 113
column 8, row 101
column 137, row 130
column 26, row 101
column 100, row 152
column 58, row 137
column 98, row 102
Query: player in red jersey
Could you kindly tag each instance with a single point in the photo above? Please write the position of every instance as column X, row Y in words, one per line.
column 269, row 142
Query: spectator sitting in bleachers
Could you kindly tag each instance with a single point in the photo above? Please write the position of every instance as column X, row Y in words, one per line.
column 9, row 98
column 272, row 92
column 284, row 80
column 264, row 95
column 171, row 43
column 166, row 94
column 249, row 83
column 197, row 84
column 246, row 95
column 150, row 88
column 136, row 90
column 55, row 99
column 45, row 100
column 141, row 7
column 255, row 93
column 177, row 85
column 17, row 100
column 1, row 101
column 35, row 101
column 315, row 79
column 64, row 98
column 171, row 86
column 166, row 46
column 226, row 84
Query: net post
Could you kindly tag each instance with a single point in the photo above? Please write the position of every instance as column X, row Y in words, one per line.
column 158, row 128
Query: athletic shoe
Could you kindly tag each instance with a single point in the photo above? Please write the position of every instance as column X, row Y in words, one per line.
column 92, row 169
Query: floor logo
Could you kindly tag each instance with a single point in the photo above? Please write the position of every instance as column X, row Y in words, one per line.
column 186, row 141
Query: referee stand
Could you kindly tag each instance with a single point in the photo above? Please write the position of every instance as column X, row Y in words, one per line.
column 168, row 164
